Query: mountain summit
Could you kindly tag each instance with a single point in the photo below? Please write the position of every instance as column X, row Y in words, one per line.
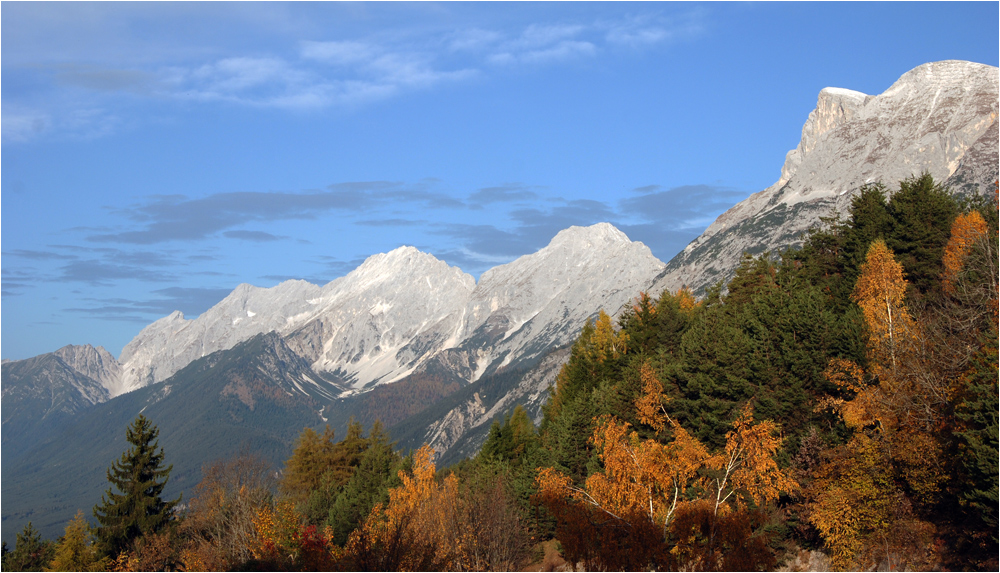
column 939, row 118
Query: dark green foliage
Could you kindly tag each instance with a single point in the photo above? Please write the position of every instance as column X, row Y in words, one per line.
column 978, row 437
column 915, row 222
column 568, row 437
column 319, row 468
column 30, row 553
column 870, row 220
column 769, row 342
column 513, row 441
column 513, row 449
column 369, row 484
column 138, row 508
column 922, row 212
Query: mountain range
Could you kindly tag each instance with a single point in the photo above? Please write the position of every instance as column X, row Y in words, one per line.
column 425, row 348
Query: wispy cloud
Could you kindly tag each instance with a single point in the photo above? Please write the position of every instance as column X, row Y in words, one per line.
column 190, row 301
column 180, row 218
column 80, row 93
column 104, row 273
column 502, row 194
column 685, row 207
column 539, row 44
column 253, row 236
column 532, row 229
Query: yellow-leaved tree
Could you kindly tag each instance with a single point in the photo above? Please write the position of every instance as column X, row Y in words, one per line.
column 418, row 530
column 639, row 511
column 860, row 508
column 965, row 231
column 880, row 292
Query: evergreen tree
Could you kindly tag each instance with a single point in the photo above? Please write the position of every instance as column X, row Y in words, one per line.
column 870, row 220
column 311, row 458
column 30, row 553
column 922, row 214
column 139, row 477
column 368, row 485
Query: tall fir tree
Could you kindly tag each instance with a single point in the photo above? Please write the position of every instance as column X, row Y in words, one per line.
column 138, row 509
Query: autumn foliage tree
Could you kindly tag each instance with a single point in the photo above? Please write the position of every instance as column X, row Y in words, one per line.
column 627, row 516
column 220, row 520
column 965, row 232
column 416, row 529
column 863, row 493
column 282, row 541
column 76, row 550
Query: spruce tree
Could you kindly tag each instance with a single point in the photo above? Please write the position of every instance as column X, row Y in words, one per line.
column 138, row 509
column 30, row 553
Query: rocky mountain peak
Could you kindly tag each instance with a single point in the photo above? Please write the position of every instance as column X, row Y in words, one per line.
column 96, row 363
column 939, row 118
column 946, row 74
column 598, row 234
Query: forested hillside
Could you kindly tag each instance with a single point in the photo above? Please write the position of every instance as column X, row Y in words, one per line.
column 831, row 407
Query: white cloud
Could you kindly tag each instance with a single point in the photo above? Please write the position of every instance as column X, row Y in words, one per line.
column 536, row 36
column 238, row 74
column 23, row 124
column 339, row 53
column 316, row 74
column 473, row 39
column 637, row 36
column 647, row 30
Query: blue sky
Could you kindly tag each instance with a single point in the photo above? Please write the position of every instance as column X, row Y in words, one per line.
column 154, row 156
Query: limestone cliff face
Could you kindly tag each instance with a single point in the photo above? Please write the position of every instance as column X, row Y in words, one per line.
column 939, row 118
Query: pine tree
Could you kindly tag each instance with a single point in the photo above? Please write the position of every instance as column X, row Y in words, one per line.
column 138, row 509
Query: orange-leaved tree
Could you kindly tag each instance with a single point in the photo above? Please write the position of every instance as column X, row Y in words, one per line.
column 880, row 292
column 861, row 500
column 284, row 542
column 624, row 516
column 419, row 529
column 965, row 231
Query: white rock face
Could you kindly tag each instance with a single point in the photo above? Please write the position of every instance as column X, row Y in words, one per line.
column 472, row 416
column 95, row 363
column 382, row 320
column 521, row 309
column 939, row 117
column 173, row 342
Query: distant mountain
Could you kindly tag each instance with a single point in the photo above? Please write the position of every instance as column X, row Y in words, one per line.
column 43, row 392
column 169, row 344
column 386, row 341
column 258, row 395
column 940, row 118
column 402, row 310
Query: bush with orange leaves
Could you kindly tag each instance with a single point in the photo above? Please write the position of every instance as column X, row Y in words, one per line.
column 283, row 542
column 668, row 504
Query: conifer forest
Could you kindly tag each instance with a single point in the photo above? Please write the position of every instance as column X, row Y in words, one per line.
column 833, row 407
